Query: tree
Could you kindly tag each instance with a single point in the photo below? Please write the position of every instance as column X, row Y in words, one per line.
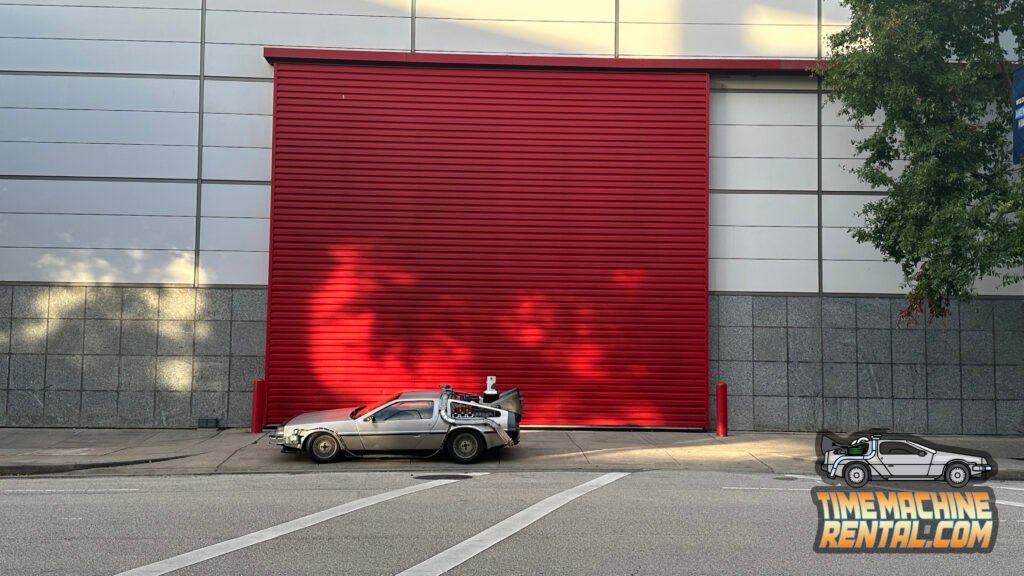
column 934, row 73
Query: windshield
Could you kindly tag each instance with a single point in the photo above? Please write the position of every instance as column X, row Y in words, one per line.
column 363, row 409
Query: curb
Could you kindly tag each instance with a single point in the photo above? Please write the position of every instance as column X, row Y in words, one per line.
column 36, row 469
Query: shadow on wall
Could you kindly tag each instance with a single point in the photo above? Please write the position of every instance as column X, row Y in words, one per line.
column 102, row 356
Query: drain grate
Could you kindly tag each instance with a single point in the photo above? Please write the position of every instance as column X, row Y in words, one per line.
column 443, row 477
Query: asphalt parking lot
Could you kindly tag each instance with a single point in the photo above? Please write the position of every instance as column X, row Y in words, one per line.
column 419, row 522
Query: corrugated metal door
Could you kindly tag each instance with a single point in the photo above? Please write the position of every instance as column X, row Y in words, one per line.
column 437, row 224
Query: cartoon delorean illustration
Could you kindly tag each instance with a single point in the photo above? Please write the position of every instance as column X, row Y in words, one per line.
column 878, row 456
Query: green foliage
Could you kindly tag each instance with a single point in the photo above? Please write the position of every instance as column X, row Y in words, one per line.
column 935, row 75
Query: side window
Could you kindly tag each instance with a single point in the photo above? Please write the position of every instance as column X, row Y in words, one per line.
column 896, row 448
column 408, row 410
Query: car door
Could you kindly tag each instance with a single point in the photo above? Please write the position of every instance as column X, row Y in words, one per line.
column 397, row 427
column 903, row 460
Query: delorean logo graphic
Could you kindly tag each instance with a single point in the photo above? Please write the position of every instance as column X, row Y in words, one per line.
column 902, row 511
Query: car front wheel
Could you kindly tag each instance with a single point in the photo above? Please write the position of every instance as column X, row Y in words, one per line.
column 958, row 475
column 465, row 447
column 323, row 448
column 856, row 475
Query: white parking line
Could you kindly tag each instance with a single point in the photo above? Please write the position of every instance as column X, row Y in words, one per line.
column 466, row 549
column 1007, row 488
column 203, row 554
column 1008, row 503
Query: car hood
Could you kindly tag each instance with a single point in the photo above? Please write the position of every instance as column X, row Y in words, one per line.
column 324, row 416
column 941, row 456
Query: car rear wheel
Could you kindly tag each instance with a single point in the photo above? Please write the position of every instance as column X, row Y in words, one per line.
column 465, row 447
column 958, row 475
column 323, row 448
column 856, row 475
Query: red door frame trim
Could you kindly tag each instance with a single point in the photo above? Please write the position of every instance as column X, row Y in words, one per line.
column 772, row 66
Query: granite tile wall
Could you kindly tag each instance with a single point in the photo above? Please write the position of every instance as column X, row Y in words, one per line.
column 802, row 363
column 165, row 357
column 99, row 356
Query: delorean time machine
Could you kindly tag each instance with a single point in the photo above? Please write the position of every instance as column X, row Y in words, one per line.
column 464, row 426
column 883, row 457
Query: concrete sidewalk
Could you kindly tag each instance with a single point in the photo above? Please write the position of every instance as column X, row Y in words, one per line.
column 118, row 452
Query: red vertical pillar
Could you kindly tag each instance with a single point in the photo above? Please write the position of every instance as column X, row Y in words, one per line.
column 722, row 408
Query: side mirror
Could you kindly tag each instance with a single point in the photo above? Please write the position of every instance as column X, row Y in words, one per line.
column 369, row 419
column 920, row 452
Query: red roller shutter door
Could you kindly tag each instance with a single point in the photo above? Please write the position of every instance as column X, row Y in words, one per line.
column 436, row 224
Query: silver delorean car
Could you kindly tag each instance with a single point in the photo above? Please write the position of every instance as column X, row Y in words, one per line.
column 423, row 422
column 885, row 457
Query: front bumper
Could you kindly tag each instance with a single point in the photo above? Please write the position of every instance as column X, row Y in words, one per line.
column 980, row 468
column 278, row 438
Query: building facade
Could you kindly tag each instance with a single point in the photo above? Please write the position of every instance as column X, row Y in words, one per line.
column 135, row 167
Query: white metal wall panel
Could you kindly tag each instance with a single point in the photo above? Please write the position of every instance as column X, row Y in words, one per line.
column 235, row 234
column 720, row 11
column 97, row 160
column 97, row 197
column 717, row 41
column 767, row 174
column 230, row 97
column 98, row 266
column 236, row 130
column 837, row 177
column 990, row 286
column 763, row 243
column 861, row 277
column 120, row 57
column 524, row 27
column 235, row 39
column 99, row 126
column 233, row 268
column 764, row 141
column 100, row 93
column 763, row 210
column 762, row 83
column 352, row 7
column 250, row 164
column 92, row 23
column 839, row 213
column 830, row 116
column 535, row 10
column 515, row 37
column 723, row 29
column 179, row 4
column 838, row 244
column 751, row 141
column 765, row 109
column 236, row 200
column 242, row 61
column 841, row 210
column 763, row 275
column 92, row 231
column 837, row 141
column 320, row 30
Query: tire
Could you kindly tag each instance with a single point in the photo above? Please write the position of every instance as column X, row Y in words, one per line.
column 465, row 446
column 323, row 448
column 958, row 475
column 856, row 475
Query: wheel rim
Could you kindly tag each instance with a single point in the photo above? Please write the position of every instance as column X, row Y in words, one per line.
column 323, row 446
column 465, row 446
column 957, row 475
column 856, row 475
